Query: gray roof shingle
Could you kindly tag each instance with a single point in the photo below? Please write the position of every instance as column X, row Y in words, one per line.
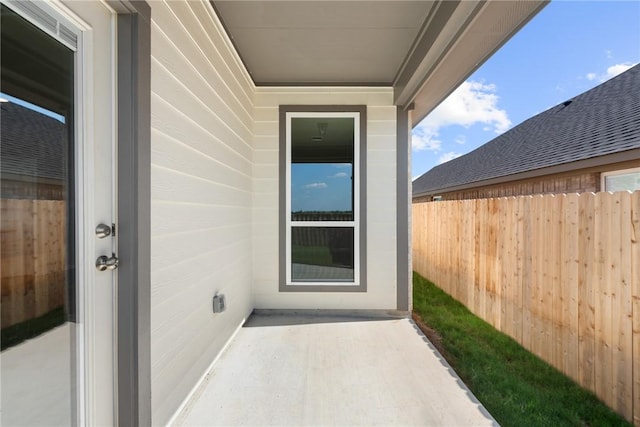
column 33, row 144
column 601, row 121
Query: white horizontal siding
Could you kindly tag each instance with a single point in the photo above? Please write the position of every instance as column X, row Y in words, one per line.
column 201, row 197
column 170, row 121
column 381, row 197
column 193, row 30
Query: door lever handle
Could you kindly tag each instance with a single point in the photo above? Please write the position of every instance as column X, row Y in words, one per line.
column 107, row 263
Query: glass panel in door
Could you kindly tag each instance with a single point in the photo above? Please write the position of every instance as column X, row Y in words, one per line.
column 38, row 243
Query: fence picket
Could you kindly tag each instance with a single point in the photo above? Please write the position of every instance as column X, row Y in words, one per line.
column 33, row 258
column 621, row 306
column 635, row 299
column 554, row 293
column 569, row 282
column 587, row 279
column 603, row 362
column 527, row 271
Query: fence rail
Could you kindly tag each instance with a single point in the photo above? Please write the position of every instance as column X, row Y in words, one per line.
column 560, row 274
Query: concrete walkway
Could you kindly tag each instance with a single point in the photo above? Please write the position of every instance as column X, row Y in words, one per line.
column 302, row 370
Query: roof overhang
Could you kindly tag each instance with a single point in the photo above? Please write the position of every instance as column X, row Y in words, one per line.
column 442, row 60
column 423, row 49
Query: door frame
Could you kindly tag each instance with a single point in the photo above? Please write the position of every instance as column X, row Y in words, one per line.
column 133, row 299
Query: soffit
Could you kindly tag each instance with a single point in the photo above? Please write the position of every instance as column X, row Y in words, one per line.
column 323, row 42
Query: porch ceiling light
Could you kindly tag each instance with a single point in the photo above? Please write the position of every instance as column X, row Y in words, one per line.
column 322, row 131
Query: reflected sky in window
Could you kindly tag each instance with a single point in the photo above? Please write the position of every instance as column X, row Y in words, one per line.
column 8, row 98
column 322, row 187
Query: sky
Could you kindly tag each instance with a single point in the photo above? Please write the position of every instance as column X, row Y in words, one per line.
column 8, row 98
column 565, row 50
column 321, row 187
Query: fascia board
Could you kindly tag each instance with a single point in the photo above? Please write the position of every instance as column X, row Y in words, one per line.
column 474, row 31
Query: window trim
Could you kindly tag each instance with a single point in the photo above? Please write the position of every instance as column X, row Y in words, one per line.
column 358, row 112
column 354, row 224
column 604, row 175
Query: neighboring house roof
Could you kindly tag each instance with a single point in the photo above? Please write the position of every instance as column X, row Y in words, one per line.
column 33, row 144
column 600, row 122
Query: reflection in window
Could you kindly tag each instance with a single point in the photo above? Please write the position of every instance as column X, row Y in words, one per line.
column 34, row 226
column 322, row 165
column 629, row 181
column 37, row 212
column 321, row 192
column 322, row 247
column 322, row 254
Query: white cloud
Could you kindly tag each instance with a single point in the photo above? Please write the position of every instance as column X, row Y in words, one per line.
column 461, row 139
column 614, row 70
column 425, row 139
column 316, row 185
column 472, row 103
column 609, row 54
column 339, row 175
column 611, row 72
column 448, row 156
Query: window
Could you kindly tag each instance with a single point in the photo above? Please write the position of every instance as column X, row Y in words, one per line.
column 37, row 192
column 322, row 245
column 622, row 180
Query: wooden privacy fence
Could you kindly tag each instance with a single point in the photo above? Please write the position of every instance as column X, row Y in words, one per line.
column 33, row 258
column 560, row 274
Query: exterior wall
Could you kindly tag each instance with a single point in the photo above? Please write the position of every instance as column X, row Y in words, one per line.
column 381, row 197
column 214, row 197
column 201, row 155
column 578, row 181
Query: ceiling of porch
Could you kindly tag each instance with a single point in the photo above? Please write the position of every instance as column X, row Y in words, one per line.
column 354, row 42
column 424, row 49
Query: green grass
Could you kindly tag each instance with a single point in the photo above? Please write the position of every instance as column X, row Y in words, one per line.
column 314, row 255
column 15, row 334
column 516, row 387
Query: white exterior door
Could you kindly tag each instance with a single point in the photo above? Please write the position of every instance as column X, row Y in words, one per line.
column 58, row 185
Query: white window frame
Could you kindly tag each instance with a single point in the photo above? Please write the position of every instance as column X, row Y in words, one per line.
column 604, row 175
column 355, row 224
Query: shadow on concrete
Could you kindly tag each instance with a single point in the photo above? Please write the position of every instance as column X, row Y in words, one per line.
column 261, row 318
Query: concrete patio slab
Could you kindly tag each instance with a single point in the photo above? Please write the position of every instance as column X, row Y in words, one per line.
column 312, row 370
